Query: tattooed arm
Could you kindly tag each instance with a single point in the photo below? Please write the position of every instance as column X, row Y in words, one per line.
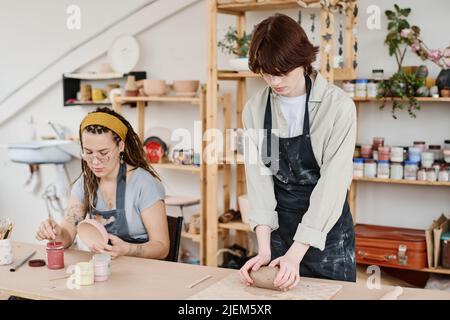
column 74, row 215
column 155, row 221
column 66, row 232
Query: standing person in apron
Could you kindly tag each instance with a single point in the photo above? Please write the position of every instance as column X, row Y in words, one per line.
column 301, row 132
column 117, row 188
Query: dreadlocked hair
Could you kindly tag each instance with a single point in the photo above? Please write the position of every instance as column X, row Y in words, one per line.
column 133, row 155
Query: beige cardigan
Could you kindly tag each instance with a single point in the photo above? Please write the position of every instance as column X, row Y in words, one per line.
column 332, row 118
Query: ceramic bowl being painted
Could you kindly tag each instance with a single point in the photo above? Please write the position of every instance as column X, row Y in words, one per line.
column 92, row 233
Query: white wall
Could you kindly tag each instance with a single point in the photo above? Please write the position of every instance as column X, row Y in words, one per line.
column 176, row 49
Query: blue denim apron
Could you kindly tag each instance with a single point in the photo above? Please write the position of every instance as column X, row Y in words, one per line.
column 295, row 177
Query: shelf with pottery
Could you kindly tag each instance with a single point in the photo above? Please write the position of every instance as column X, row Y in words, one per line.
column 82, row 84
column 239, row 75
column 419, row 99
column 403, row 181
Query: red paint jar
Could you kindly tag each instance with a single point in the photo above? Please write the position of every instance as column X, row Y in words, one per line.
column 384, row 153
column 55, row 255
column 366, row 151
column 378, row 142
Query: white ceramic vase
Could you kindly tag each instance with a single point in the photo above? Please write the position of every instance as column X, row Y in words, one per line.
column 239, row 64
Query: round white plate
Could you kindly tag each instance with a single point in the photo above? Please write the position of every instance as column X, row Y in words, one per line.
column 124, row 54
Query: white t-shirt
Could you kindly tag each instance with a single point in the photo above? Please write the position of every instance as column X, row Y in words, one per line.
column 293, row 109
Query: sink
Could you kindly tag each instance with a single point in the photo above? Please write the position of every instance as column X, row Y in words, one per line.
column 43, row 151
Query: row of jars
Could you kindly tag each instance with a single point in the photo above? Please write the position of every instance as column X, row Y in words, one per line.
column 365, row 88
column 408, row 170
column 417, row 153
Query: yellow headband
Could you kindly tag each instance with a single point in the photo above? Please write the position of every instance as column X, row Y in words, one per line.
column 105, row 120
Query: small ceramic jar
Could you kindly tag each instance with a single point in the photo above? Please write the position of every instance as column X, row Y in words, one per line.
column 383, row 153
column 422, row 174
column 436, row 149
column 377, row 142
column 366, row 151
column 396, row 170
column 414, row 154
column 397, row 154
column 358, row 167
column 357, row 152
column 411, row 170
column 420, row 145
column 443, row 174
column 427, row 159
column 6, row 254
column 370, row 168
column 372, row 89
column 102, row 267
column 383, row 169
column 84, row 274
column 378, row 74
column 361, row 88
column 55, row 255
column 431, row 175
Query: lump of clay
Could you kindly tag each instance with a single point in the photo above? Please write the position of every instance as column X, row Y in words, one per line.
column 263, row 278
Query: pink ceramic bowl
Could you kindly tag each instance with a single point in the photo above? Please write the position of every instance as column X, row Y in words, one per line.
column 153, row 87
column 92, row 233
column 187, row 87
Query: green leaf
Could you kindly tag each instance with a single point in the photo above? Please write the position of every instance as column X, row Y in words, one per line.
column 389, row 14
column 397, row 8
column 391, row 25
column 405, row 12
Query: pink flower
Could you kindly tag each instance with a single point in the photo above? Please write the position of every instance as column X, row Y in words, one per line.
column 415, row 46
column 405, row 33
column 435, row 55
column 446, row 52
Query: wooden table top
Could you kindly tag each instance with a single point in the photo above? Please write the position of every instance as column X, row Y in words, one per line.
column 135, row 278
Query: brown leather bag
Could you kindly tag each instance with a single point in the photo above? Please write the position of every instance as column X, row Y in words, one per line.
column 390, row 246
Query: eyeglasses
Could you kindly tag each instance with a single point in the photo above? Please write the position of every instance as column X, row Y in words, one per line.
column 100, row 158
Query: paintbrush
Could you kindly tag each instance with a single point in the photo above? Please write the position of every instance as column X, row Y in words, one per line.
column 6, row 236
column 21, row 263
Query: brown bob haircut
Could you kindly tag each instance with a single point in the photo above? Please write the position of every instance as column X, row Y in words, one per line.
column 279, row 45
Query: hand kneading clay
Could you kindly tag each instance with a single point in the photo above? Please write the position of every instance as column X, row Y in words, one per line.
column 263, row 278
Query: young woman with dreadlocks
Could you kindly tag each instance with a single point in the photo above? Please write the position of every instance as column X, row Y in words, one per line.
column 118, row 188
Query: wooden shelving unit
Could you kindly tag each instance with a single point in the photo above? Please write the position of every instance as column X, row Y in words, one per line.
column 356, row 180
column 141, row 101
column 403, row 182
column 199, row 100
column 419, row 99
column 178, row 167
column 239, row 10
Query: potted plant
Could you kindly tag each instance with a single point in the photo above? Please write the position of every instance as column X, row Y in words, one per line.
column 401, row 85
column 441, row 57
column 237, row 45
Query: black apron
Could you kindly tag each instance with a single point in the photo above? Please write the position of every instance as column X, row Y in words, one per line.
column 295, row 174
column 116, row 218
